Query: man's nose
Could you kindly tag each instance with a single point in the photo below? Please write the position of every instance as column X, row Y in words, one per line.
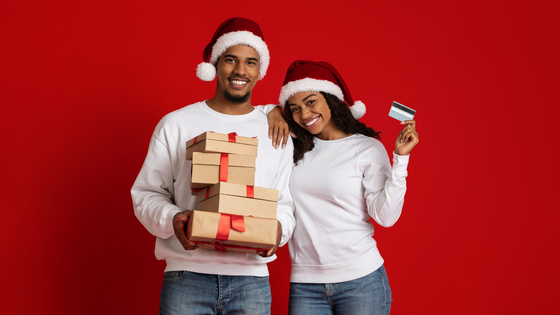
column 240, row 68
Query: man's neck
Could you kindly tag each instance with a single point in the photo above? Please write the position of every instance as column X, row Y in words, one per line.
column 221, row 105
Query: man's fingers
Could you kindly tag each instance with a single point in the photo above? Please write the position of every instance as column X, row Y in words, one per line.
column 190, row 245
column 285, row 140
column 179, row 221
column 268, row 253
column 272, row 251
column 277, row 137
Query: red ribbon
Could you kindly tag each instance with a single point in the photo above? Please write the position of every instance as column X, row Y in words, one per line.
column 250, row 191
column 196, row 189
column 228, row 221
column 224, row 160
column 224, row 164
column 222, row 247
column 217, row 243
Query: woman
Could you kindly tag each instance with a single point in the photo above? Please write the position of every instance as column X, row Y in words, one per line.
column 341, row 178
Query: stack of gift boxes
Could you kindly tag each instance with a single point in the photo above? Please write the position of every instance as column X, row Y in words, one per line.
column 232, row 214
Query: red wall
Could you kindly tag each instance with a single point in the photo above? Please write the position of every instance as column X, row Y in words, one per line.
column 83, row 84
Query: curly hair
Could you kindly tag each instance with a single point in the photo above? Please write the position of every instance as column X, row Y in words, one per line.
column 342, row 118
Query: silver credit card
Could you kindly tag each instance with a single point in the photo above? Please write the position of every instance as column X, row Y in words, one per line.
column 401, row 112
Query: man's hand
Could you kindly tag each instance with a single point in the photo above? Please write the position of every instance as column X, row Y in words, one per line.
column 273, row 250
column 179, row 221
column 278, row 128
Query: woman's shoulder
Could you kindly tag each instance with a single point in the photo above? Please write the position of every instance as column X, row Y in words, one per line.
column 364, row 142
column 369, row 150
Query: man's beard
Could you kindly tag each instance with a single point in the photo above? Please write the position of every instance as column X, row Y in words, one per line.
column 236, row 99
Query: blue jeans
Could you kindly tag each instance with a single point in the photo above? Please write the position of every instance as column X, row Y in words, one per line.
column 366, row 295
column 185, row 292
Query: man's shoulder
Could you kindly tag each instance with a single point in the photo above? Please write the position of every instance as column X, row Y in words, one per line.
column 183, row 112
column 265, row 109
column 181, row 116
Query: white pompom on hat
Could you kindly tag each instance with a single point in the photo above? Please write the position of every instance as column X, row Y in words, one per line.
column 318, row 76
column 234, row 31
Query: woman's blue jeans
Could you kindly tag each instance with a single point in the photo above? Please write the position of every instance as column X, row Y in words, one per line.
column 367, row 295
column 185, row 292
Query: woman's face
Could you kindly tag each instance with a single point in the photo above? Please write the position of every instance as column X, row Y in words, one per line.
column 311, row 111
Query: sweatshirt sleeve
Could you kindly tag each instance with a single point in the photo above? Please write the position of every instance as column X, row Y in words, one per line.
column 384, row 186
column 152, row 192
column 266, row 108
column 285, row 210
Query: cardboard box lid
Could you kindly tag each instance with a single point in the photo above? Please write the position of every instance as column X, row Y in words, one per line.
column 238, row 205
column 218, row 146
column 208, row 135
column 205, row 175
column 232, row 189
column 203, row 158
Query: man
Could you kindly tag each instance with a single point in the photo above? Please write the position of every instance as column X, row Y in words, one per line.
column 199, row 281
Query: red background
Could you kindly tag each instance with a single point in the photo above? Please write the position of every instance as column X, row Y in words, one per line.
column 83, row 84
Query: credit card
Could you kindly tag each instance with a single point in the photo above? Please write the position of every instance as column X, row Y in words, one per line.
column 401, row 112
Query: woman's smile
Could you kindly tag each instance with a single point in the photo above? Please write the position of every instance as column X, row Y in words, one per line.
column 311, row 122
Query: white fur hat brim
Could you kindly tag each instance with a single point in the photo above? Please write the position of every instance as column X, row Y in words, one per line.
column 241, row 38
column 309, row 85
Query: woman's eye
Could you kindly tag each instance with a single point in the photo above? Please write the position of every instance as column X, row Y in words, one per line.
column 311, row 102
column 294, row 109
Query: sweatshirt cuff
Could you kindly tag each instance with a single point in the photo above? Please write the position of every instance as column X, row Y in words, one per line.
column 400, row 164
column 287, row 228
column 168, row 220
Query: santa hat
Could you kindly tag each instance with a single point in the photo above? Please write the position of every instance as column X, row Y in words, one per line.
column 313, row 76
column 234, row 31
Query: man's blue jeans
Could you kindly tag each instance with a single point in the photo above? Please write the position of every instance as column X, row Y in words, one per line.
column 185, row 292
column 367, row 295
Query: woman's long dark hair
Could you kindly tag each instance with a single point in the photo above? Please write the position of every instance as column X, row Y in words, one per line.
column 342, row 118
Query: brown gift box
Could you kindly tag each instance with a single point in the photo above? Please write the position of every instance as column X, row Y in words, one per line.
column 222, row 143
column 206, row 169
column 233, row 198
column 260, row 233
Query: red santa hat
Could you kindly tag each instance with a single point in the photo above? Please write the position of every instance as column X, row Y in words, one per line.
column 234, row 31
column 318, row 76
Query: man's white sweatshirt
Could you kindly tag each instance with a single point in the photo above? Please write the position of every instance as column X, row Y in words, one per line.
column 162, row 188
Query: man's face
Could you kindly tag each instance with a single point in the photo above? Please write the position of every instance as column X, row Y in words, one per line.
column 238, row 72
